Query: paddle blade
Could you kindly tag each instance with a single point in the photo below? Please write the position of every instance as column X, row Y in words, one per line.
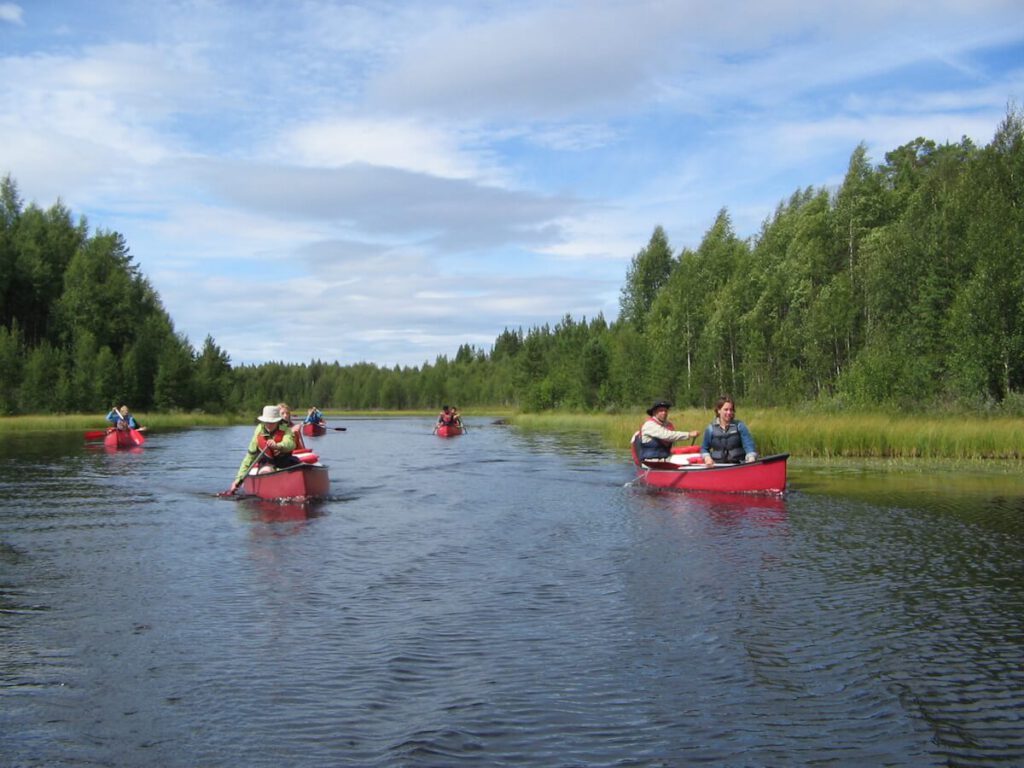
column 97, row 435
column 137, row 437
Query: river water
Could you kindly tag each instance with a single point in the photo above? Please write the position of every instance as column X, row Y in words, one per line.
column 498, row 599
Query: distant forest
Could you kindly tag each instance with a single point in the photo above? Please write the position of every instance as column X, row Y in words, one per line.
column 903, row 288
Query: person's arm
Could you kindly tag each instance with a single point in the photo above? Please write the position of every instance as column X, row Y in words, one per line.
column 749, row 448
column 653, row 430
column 705, row 445
column 250, row 456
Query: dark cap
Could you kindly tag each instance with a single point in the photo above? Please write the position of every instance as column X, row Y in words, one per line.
column 658, row 404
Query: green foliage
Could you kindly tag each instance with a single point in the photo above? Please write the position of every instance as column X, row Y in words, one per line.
column 212, row 377
column 10, row 368
column 648, row 272
column 173, row 386
column 44, row 367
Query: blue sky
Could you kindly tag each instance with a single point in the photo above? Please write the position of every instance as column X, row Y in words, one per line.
column 384, row 181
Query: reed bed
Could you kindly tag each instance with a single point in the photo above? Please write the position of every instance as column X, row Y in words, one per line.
column 802, row 433
column 814, row 435
column 73, row 422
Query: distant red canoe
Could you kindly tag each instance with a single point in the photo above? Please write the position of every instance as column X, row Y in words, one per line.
column 314, row 430
column 765, row 475
column 123, row 438
column 301, row 481
column 448, row 430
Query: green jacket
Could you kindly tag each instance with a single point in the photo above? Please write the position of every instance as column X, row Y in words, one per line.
column 286, row 445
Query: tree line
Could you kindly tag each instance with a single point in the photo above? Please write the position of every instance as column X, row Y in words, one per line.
column 902, row 288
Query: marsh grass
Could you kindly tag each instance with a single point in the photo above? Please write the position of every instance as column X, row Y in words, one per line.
column 804, row 434
column 825, row 436
column 74, row 422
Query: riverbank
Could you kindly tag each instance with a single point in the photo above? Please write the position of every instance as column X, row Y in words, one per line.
column 829, row 436
column 71, row 422
column 875, row 436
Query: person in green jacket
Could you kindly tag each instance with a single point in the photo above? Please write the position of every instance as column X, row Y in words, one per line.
column 272, row 442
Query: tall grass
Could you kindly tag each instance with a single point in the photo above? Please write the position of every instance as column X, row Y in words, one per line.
column 816, row 435
column 806, row 434
column 77, row 421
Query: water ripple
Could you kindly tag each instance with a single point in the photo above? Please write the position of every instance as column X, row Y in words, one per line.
column 499, row 600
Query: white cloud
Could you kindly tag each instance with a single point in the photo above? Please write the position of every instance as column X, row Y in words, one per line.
column 11, row 13
column 405, row 144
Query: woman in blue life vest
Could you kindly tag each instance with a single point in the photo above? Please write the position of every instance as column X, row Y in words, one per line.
column 128, row 419
column 121, row 418
column 115, row 419
column 726, row 439
column 657, row 433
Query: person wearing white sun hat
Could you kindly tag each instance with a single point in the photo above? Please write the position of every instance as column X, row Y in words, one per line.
column 272, row 442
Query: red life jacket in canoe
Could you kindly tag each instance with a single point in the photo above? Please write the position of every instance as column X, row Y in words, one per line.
column 277, row 437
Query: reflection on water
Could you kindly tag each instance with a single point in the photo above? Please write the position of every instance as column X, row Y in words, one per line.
column 260, row 510
column 992, row 497
column 726, row 509
column 499, row 599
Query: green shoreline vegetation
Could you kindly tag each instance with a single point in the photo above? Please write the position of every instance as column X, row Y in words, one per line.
column 809, row 435
column 908, row 439
column 71, row 422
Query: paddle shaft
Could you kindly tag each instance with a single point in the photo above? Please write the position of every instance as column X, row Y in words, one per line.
column 248, row 469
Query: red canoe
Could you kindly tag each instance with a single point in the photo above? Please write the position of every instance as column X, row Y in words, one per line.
column 301, row 481
column 314, row 430
column 448, row 430
column 765, row 475
column 123, row 438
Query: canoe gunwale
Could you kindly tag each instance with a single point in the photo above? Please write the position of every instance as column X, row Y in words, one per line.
column 766, row 475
